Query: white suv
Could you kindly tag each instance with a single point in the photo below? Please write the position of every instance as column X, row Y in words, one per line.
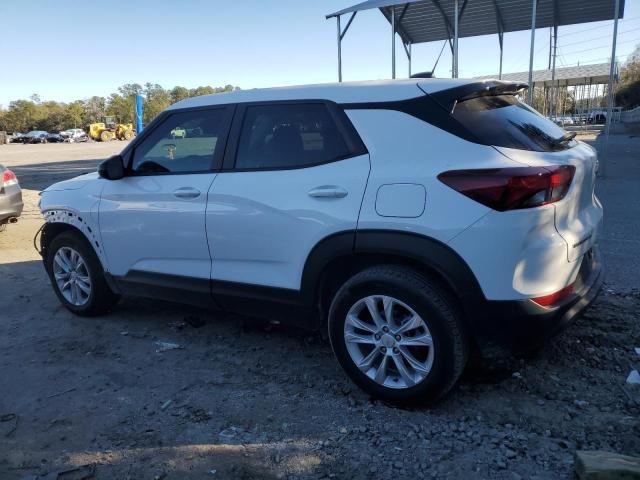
column 415, row 221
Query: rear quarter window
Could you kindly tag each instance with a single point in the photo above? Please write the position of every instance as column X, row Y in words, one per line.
column 504, row 121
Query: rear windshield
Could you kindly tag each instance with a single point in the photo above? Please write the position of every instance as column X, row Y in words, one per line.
column 504, row 121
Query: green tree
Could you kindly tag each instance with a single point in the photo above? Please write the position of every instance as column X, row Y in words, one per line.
column 35, row 114
column 120, row 107
column 74, row 115
column 179, row 93
column 157, row 99
column 22, row 116
column 94, row 110
column 628, row 90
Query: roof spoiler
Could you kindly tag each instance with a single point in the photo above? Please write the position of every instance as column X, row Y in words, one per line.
column 449, row 98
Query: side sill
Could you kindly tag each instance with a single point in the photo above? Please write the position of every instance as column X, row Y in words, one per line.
column 174, row 288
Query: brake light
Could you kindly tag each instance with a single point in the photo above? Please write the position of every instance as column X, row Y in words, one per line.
column 505, row 189
column 9, row 178
column 554, row 298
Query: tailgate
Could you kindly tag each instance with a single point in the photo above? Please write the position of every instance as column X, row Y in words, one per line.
column 578, row 216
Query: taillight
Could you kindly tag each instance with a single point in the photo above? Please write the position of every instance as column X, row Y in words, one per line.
column 9, row 178
column 554, row 298
column 512, row 188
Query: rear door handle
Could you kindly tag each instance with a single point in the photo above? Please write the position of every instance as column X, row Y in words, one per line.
column 328, row 191
column 186, row 193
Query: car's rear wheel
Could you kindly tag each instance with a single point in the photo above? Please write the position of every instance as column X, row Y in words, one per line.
column 398, row 335
column 77, row 276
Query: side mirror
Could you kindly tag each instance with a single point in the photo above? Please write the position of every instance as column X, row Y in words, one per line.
column 112, row 168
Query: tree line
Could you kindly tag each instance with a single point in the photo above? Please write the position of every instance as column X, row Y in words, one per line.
column 628, row 91
column 34, row 114
column 50, row 116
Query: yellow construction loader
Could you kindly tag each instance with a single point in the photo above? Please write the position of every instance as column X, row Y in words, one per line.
column 110, row 130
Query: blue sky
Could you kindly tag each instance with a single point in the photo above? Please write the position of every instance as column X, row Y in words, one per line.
column 67, row 50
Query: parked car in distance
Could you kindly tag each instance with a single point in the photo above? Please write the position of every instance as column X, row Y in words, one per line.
column 562, row 121
column 35, row 136
column 10, row 198
column 414, row 221
column 16, row 137
column 75, row 135
column 54, row 138
column 597, row 117
column 178, row 133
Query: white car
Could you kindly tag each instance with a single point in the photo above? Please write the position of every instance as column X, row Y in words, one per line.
column 73, row 134
column 562, row 121
column 414, row 221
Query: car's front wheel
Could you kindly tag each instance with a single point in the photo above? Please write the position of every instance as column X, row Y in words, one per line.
column 398, row 335
column 77, row 276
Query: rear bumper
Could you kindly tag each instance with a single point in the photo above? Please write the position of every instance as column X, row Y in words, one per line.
column 521, row 326
column 10, row 205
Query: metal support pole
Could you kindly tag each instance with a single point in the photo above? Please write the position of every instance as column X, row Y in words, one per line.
column 533, row 41
column 339, row 49
column 610, row 88
column 410, row 55
column 553, row 70
column 550, row 46
column 500, row 41
column 454, row 72
column 393, row 42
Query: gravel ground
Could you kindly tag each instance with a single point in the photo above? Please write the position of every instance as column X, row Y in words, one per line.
column 240, row 399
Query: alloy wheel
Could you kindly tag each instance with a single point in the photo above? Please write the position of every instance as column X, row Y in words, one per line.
column 72, row 276
column 388, row 341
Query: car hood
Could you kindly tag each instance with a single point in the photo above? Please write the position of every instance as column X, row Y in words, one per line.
column 73, row 183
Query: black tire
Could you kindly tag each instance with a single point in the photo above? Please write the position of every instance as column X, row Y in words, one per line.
column 101, row 298
column 437, row 309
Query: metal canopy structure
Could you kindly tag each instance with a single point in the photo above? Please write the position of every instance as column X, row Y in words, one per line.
column 420, row 21
column 587, row 83
column 567, row 76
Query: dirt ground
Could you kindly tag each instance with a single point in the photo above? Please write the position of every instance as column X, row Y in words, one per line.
column 240, row 399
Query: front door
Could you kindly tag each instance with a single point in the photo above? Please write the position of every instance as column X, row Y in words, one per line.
column 152, row 221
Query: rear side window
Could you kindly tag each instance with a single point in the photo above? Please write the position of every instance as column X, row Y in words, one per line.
column 289, row 136
column 504, row 121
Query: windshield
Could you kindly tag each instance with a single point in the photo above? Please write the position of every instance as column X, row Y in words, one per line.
column 504, row 121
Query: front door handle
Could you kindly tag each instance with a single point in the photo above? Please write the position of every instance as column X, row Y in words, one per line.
column 186, row 193
column 328, row 191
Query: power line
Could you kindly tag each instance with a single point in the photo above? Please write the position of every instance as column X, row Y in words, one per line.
column 602, row 36
column 607, row 25
column 601, row 47
column 521, row 57
column 591, row 61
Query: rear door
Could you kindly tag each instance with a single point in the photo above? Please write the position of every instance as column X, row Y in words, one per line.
column 295, row 173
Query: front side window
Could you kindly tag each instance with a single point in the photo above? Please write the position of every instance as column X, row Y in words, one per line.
column 504, row 121
column 183, row 142
column 288, row 136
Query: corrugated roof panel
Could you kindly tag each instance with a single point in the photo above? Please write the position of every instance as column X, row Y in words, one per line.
column 578, row 75
column 427, row 20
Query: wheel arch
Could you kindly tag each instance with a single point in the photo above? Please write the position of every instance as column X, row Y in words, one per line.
column 59, row 221
column 338, row 257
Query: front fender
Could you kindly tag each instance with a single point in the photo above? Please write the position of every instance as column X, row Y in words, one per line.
column 80, row 222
